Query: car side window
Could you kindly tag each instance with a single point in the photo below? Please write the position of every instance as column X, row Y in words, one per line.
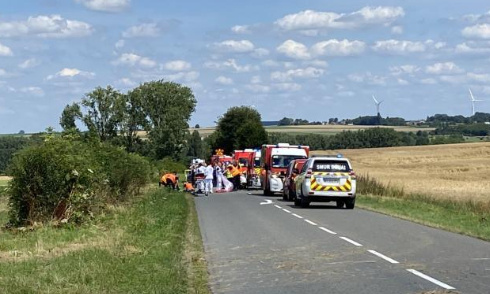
column 305, row 167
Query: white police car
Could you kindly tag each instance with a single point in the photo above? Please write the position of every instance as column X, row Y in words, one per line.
column 325, row 179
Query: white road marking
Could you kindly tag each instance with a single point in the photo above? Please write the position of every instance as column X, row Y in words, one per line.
column 267, row 201
column 298, row 216
column 390, row 260
column 286, row 210
column 479, row 259
column 351, row 241
column 310, row 222
column 278, row 206
column 430, row 279
column 327, row 230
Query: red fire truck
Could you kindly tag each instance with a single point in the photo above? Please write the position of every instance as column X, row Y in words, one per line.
column 274, row 162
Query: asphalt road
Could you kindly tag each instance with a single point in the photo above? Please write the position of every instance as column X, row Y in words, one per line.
column 254, row 247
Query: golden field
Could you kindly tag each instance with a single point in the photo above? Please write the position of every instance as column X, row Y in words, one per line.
column 457, row 172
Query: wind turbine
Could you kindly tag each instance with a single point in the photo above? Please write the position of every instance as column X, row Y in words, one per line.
column 473, row 100
column 377, row 103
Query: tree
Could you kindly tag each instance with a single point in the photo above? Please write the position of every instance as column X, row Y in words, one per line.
column 103, row 112
column 69, row 115
column 286, row 121
column 197, row 126
column 239, row 128
column 133, row 118
column 22, row 132
column 168, row 107
column 195, row 145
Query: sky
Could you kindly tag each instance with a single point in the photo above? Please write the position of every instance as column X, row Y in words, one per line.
column 310, row 59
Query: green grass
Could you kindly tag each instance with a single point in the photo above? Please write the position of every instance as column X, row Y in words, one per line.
column 447, row 216
column 150, row 246
column 468, row 218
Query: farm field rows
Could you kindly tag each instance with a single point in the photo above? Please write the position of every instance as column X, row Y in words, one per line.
column 320, row 129
column 456, row 172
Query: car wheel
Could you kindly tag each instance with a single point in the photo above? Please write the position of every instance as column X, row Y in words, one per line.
column 340, row 204
column 349, row 204
column 304, row 202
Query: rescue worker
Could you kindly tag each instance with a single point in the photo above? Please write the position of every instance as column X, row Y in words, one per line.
column 235, row 173
column 188, row 187
column 208, row 180
column 170, row 180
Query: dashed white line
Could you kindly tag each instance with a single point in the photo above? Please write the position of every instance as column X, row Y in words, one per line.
column 277, row 206
column 327, row 230
column 351, row 241
column 298, row 216
column 390, row 260
column 310, row 222
column 430, row 279
column 286, row 210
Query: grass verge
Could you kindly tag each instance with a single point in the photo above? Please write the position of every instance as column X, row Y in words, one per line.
column 149, row 246
column 450, row 216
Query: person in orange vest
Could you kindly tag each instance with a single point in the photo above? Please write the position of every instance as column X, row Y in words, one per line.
column 188, row 187
column 235, row 173
column 170, row 180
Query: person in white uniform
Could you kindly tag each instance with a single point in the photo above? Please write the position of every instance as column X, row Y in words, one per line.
column 208, row 180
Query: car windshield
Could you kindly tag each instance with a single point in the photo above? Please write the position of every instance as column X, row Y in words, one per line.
column 257, row 162
column 330, row 166
column 284, row 160
column 243, row 161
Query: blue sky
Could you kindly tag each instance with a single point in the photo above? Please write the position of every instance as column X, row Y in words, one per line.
column 304, row 59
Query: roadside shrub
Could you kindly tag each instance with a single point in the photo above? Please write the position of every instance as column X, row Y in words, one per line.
column 65, row 179
column 370, row 186
column 126, row 173
column 55, row 180
column 167, row 165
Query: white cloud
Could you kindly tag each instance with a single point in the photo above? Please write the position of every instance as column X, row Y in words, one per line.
column 29, row 63
column 293, row 49
column 368, row 78
column 126, row 82
column 479, row 31
column 257, row 88
column 131, row 59
column 187, row 77
column 5, row 51
column 241, row 29
column 287, row 87
column 443, row 68
column 242, row 46
column 398, row 47
column 35, row 91
column 230, row 64
column 143, row 30
column 397, row 30
column 177, row 65
column 301, row 73
column 316, row 63
column 119, row 44
column 3, row 73
column 402, row 82
column 71, row 73
column 260, row 53
column 105, row 5
column 255, row 80
column 429, row 81
column 313, row 20
column 404, row 69
column 480, row 78
column 53, row 26
column 336, row 47
column 472, row 48
column 454, row 79
column 224, row 80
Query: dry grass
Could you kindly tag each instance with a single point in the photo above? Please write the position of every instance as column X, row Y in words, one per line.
column 456, row 172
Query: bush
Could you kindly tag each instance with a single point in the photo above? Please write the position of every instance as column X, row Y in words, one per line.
column 67, row 179
column 126, row 173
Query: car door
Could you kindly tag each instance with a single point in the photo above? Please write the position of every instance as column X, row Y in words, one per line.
column 300, row 178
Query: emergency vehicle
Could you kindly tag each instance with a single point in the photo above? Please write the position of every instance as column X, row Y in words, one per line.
column 325, row 179
column 244, row 159
column 275, row 160
column 220, row 157
column 253, row 171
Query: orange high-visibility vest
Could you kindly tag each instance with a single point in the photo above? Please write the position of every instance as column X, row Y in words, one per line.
column 170, row 177
column 234, row 171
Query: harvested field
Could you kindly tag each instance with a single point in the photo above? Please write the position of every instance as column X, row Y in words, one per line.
column 457, row 172
column 319, row 129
